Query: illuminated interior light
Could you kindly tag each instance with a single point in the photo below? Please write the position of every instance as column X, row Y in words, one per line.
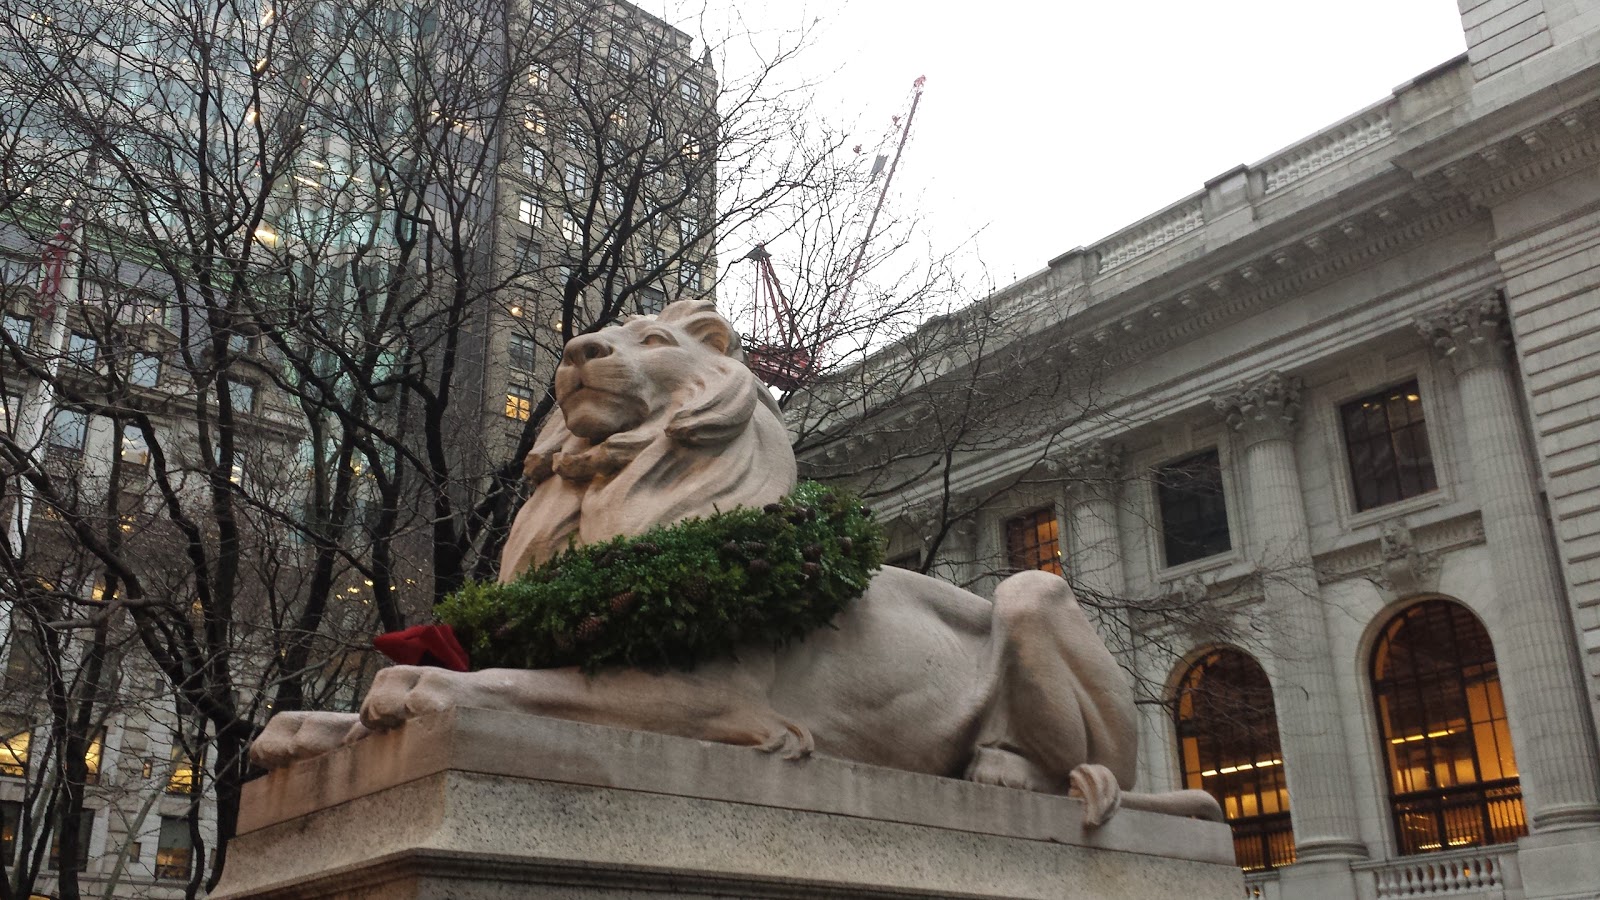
column 266, row 235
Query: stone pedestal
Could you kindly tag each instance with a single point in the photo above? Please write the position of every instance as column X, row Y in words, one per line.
column 479, row 804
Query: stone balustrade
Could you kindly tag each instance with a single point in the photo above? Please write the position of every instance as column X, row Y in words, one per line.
column 1438, row 874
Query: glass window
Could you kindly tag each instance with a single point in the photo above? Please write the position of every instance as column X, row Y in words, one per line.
column 240, row 343
column 689, row 275
column 10, row 408
column 571, row 229
column 690, row 89
column 651, row 301
column 654, row 257
column 542, row 16
column 1452, row 771
column 92, row 756
column 528, row 254
column 521, row 352
column 183, row 777
column 175, row 848
column 15, row 737
column 659, row 74
column 145, row 370
column 620, row 56
column 532, row 162
column 529, row 212
column 85, row 831
column 575, row 179
column 1229, row 748
column 519, row 402
column 20, row 328
column 10, row 821
column 1194, row 515
column 242, row 394
column 1033, row 541
column 82, row 349
column 135, row 451
column 69, row 429
column 1387, row 440
column 538, row 76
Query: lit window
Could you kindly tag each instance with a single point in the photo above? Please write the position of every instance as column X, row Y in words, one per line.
column 175, row 849
column 529, row 212
column 10, row 821
column 92, row 756
column 242, row 395
column 69, row 429
column 1228, row 741
column 1452, row 771
column 620, row 56
column 519, row 402
column 85, row 831
column 135, row 451
column 15, row 737
column 576, row 180
column 183, row 777
column 82, row 349
column 19, row 329
column 1033, row 541
column 1387, row 440
column 1194, row 515
column 534, row 121
column 145, row 370
column 520, row 352
column 532, row 162
column 538, row 75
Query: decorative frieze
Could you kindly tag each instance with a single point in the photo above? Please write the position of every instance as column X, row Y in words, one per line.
column 1326, row 149
column 1469, row 333
column 1143, row 237
column 1267, row 408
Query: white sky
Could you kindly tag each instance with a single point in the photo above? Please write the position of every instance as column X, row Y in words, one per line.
column 1046, row 126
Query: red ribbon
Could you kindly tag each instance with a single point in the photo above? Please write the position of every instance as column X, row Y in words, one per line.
column 424, row 645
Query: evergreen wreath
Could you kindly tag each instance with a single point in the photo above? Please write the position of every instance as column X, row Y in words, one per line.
column 679, row 594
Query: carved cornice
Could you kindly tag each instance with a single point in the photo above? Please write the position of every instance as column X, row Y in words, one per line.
column 1090, row 471
column 1265, row 409
column 1469, row 333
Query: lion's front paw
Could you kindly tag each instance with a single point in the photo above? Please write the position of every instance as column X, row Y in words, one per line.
column 401, row 693
column 293, row 736
column 791, row 741
column 1097, row 787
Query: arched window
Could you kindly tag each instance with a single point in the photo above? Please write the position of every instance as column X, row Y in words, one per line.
column 1452, row 774
column 1228, row 736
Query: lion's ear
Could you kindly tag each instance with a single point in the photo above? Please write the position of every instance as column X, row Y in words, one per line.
column 700, row 319
column 720, row 410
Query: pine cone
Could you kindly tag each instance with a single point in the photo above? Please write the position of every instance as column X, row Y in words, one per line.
column 624, row 602
column 754, row 547
column 812, row 552
column 759, row 567
column 772, row 509
column 811, row 569
column 590, row 628
column 646, row 548
column 847, row 546
column 731, row 548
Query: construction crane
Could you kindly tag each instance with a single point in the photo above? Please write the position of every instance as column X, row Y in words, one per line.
column 781, row 353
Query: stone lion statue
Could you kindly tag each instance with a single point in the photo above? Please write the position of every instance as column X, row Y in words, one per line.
column 660, row 421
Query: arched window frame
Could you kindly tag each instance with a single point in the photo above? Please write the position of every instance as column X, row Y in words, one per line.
column 1257, row 807
column 1450, row 722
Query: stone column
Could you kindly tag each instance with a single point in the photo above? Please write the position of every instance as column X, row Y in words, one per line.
column 1529, row 623
column 1093, row 476
column 1264, row 415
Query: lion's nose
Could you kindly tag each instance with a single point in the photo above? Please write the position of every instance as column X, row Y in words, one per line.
column 585, row 347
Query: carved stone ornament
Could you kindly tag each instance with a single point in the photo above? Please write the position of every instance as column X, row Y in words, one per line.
column 1404, row 570
column 1265, row 409
column 1469, row 333
column 1091, row 471
column 1189, row 591
column 661, row 421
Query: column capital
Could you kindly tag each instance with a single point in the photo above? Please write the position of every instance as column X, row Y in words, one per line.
column 1469, row 333
column 1092, row 469
column 1265, row 409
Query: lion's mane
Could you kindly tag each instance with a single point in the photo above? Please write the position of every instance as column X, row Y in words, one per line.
column 720, row 443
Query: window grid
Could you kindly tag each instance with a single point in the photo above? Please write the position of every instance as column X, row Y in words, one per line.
column 1452, row 770
column 519, row 402
column 1033, row 541
column 1194, row 513
column 520, row 352
column 1229, row 747
column 529, row 212
column 1386, row 439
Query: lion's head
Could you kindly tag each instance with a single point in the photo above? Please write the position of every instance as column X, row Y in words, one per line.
column 659, row 420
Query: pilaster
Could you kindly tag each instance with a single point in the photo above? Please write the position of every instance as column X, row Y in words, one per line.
column 1264, row 413
column 1531, row 626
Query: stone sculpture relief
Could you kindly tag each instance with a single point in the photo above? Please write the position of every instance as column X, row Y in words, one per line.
column 660, row 421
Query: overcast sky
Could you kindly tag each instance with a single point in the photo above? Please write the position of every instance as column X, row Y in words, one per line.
column 1046, row 126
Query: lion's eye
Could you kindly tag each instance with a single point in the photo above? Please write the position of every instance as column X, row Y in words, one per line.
column 658, row 339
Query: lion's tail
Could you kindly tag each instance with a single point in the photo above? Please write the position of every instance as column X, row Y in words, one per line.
column 1194, row 804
